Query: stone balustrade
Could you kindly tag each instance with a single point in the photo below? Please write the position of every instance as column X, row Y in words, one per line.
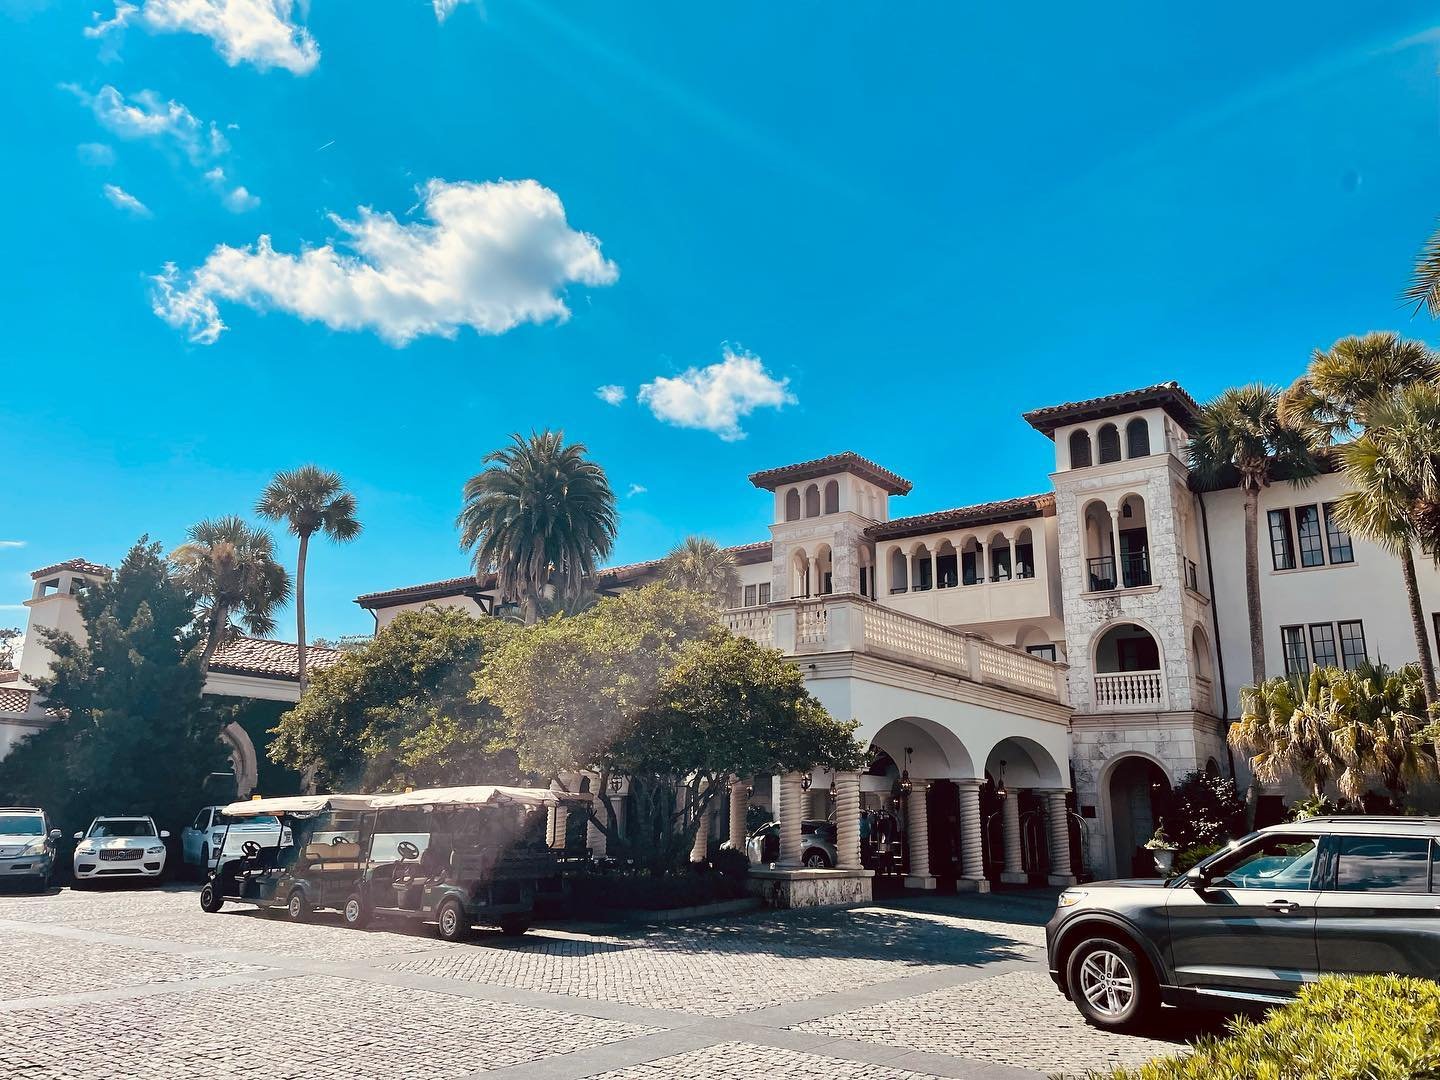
column 1124, row 690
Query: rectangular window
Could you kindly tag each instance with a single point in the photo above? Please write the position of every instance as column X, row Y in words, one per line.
column 1322, row 645
column 1338, row 540
column 1383, row 864
column 1045, row 652
column 1307, row 528
column 1297, row 660
column 1282, row 544
column 749, row 595
column 1352, row 644
column 764, row 593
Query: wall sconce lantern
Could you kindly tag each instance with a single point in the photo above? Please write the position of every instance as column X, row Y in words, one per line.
column 1000, row 787
column 805, row 782
column 616, row 783
column 905, row 785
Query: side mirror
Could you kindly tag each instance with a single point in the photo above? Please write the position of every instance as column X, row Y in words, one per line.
column 55, row 834
column 79, row 836
column 164, row 834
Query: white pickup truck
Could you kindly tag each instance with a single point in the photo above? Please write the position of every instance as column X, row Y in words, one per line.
column 201, row 840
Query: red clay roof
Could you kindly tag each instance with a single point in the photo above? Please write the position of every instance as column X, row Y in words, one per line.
column 1169, row 396
column 848, row 461
column 80, row 565
column 269, row 659
column 991, row 513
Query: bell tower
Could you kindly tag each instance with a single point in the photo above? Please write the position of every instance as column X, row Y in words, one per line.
column 55, row 605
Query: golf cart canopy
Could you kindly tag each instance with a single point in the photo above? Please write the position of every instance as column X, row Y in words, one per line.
column 483, row 795
column 296, row 804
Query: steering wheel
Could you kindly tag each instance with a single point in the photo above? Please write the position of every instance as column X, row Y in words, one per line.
column 338, row 839
column 407, row 850
column 250, row 849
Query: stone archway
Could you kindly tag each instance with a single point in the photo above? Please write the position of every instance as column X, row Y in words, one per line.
column 243, row 759
column 1136, row 791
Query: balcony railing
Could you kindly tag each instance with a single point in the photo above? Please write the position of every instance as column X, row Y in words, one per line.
column 854, row 624
column 1134, row 571
column 1204, row 695
column 1119, row 691
column 1101, row 573
column 13, row 699
column 1192, row 576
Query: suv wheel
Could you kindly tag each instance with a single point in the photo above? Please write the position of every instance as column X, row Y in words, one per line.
column 1111, row 986
column 816, row 859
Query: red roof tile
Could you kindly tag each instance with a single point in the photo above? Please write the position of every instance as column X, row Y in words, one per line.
column 848, row 461
column 991, row 513
column 1169, row 396
column 269, row 659
column 78, row 565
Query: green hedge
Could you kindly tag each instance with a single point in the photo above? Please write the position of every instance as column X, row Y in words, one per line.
column 1378, row 1027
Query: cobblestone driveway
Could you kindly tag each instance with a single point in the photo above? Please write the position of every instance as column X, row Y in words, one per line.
column 142, row 983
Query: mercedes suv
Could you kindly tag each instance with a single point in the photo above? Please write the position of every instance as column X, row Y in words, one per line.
column 1255, row 921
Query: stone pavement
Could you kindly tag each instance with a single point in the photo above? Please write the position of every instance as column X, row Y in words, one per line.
column 140, row 982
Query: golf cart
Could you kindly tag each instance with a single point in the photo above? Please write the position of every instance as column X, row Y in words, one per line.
column 458, row 856
column 314, row 861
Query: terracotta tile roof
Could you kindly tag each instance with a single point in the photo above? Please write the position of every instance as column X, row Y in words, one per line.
column 848, row 461
column 80, row 565
column 269, row 659
column 991, row 513
column 1169, row 396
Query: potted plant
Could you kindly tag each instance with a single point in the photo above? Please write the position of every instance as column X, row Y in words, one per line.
column 1162, row 849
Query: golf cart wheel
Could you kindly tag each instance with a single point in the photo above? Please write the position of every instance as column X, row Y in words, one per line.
column 210, row 899
column 1113, row 988
column 451, row 921
column 357, row 912
column 297, row 907
column 514, row 927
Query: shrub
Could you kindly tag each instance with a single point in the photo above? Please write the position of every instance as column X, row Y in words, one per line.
column 649, row 892
column 1204, row 809
column 731, row 863
column 1192, row 855
column 1374, row 1027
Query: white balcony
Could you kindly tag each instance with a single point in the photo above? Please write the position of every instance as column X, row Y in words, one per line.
column 854, row 624
column 1125, row 691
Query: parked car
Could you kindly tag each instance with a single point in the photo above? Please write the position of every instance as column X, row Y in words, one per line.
column 201, row 840
column 27, row 845
column 1255, row 921
column 119, row 847
column 817, row 844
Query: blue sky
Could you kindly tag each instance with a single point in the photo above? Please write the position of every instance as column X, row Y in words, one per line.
column 890, row 228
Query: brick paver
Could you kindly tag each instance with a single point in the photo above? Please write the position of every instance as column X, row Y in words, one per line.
column 739, row 1061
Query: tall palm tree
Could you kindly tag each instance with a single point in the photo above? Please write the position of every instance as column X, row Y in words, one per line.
column 1241, row 436
column 541, row 513
column 1394, row 469
column 703, row 566
column 1334, row 396
column 1424, row 288
column 231, row 568
column 1288, row 730
column 310, row 500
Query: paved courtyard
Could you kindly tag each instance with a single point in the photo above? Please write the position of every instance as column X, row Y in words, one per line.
column 135, row 982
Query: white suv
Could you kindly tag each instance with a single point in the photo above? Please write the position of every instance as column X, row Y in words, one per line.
column 119, row 847
column 201, row 840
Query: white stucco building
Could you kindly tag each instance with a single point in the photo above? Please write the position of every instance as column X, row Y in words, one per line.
column 1041, row 668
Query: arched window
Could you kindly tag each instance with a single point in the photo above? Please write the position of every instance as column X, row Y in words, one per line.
column 1137, row 438
column 899, row 571
column 1109, row 439
column 792, row 505
column 1079, row 448
column 832, row 497
column 1024, row 554
column 812, row 501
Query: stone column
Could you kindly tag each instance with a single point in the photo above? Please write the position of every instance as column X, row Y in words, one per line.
column 847, row 820
column 1057, row 827
column 739, row 803
column 1014, row 873
column 981, row 557
column 972, row 837
column 910, row 571
column 1014, row 569
column 595, row 838
column 917, row 837
column 791, row 810
column 700, row 849
column 1115, row 545
column 812, row 582
column 557, row 818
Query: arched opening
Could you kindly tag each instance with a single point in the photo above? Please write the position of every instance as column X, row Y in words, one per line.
column 243, row 759
column 1139, row 795
column 1137, row 438
column 1127, row 669
column 832, row 497
column 1134, row 543
column 899, row 571
column 999, row 557
column 824, row 569
column 1079, row 448
column 812, row 501
column 1036, row 642
column 792, row 505
column 924, row 569
column 1200, row 665
column 800, row 574
column 1016, row 769
column 1024, row 554
column 947, row 566
column 1108, row 443
column 1099, row 528
column 972, row 562
column 866, row 559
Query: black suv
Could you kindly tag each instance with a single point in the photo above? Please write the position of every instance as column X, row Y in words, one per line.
column 1255, row 921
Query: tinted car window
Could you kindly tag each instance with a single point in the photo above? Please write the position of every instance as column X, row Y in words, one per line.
column 1398, row 864
column 22, row 825
column 1278, row 862
column 123, row 827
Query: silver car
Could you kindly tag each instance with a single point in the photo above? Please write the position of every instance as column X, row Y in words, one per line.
column 27, row 845
column 817, row 844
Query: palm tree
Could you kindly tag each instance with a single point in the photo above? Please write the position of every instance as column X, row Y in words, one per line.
column 1394, row 469
column 1334, row 396
column 230, row 567
column 1424, row 290
column 703, row 566
column 540, row 514
column 310, row 500
column 1241, row 436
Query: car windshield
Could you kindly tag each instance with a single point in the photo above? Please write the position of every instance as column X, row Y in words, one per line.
column 122, row 827
column 264, row 821
column 21, row 825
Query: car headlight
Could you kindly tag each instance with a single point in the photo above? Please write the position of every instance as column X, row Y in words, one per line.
column 217, row 838
column 160, row 850
column 85, row 847
column 35, row 847
column 1071, row 897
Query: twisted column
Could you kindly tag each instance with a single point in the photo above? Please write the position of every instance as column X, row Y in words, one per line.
column 700, row 849
column 739, row 803
column 791, row 808
column 1057, row 828
column 556, row 818
column 972, row 850
column 917, row 837
column 1010, row 825
column 847, row 820
column 595, row 838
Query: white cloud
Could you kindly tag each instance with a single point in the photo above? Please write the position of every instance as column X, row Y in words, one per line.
column 636, row 489
column 12, row 543
column 443, row 8
column 611, row 394
column 237, row 199
column 96, row 154
column 495, row 255
column 145, row 116
column 123, row 200
column 259, row 32
column 715, row 398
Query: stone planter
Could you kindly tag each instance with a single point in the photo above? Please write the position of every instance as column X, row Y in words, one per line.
column 1164, row 860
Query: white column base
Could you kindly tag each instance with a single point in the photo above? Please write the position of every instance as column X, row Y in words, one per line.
column 970, row 884
column 914, row 882
column 1013, row 877
column 1062, row 880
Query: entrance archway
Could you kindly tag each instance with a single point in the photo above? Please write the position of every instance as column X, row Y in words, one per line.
column 1138, row 794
